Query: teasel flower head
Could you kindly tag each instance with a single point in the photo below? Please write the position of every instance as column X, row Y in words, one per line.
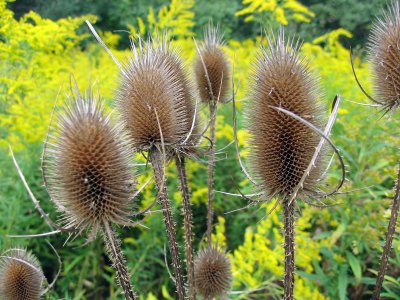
column 87, row 169
column 384, row 56
column 281, row 146
column 21, row 276
column 171, row 57
column 212, row 271
column 211, row 68
column 151, row 99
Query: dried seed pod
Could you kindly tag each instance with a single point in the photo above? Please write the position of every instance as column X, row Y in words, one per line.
column 21, row 277
column 88, row 166
column 384, row 56
column 282, row 147
column 212, row 271
column 151, row 100
column 211, row 68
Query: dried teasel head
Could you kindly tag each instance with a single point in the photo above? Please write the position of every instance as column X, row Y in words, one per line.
column 171, row 57
column 88, row 170
column 384, row 55
column 212, row 271
column 211, row 68
column 281, row 146
column 21, row 277
column 151, row 99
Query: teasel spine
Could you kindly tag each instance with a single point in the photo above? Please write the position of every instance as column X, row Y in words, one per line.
column 389, row 240
column 157, row 160
column 187, row 225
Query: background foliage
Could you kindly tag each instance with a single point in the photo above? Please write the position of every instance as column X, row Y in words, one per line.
column 338, row 247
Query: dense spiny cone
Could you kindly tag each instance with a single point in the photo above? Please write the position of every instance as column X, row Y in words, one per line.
column 212, row 272
column 384, row 55
column 282, row 147
column 89, row 167
column 150, row 88
column 175, row 66
column 21, row 277
column 211, row 68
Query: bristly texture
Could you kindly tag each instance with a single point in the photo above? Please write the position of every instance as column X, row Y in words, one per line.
column 21, row 277
column 211, row 68
column 384, row 55
column 282, row 147
column 151, row 99
column 212, row 271
column 170, row 56
column 88, row 166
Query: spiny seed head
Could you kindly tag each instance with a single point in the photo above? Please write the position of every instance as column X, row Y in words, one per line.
column 88, row 166
column 170, row 56
column 212, row 271
column 282, row 147
column 21, row 277
column 211, row 68
column 151, row 98
column 384, row 55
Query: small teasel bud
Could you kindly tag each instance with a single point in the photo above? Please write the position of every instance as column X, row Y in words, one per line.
column 282, row 147
column 384, row 56
column 21, row 276
column 211, row 68
column 88, row 166
column 212, row 271
column 151, row 99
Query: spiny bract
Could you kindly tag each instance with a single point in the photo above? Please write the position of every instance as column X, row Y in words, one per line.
column 211, row 68
column 88, row 166
column 282, row 147
column 21, row 277
column 151, row 99
column 384, row 55
column 212, row 272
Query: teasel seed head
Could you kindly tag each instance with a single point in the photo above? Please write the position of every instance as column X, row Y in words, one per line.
column 212, row 272
column 281, row 147
column 384, row 56
column 88, row 166
column 171, row 57
column 151, row 97
column 21, row 276
column 211, row 68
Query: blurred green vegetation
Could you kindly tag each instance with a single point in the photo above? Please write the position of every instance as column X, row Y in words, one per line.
column 338, row 246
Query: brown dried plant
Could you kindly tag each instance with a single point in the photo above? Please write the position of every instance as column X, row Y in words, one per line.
column 213, row 273
column 21, row 276
column 212, row 77
column 88, row 173
column 384, row 57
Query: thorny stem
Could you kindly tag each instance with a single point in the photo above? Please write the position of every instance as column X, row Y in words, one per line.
column 187, row 225
column 211, row 162
column 113, row 245
column 389, row 239
column 158, row 165
column 288, row 220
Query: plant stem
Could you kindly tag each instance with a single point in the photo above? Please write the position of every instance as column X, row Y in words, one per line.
column 187, row 224
column 389, row 239
column 211, row 162
column 113, row 245
column 288, row 220
column 158, row 165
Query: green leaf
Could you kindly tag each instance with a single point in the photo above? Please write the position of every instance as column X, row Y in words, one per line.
column 355, row 266
column 343, row 281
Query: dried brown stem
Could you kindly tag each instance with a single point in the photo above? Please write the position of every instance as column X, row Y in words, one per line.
column 187, row 225
column 211, row 162
column 113, row 245
column 288, row 220
column 389, row 239
column 156, row 158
